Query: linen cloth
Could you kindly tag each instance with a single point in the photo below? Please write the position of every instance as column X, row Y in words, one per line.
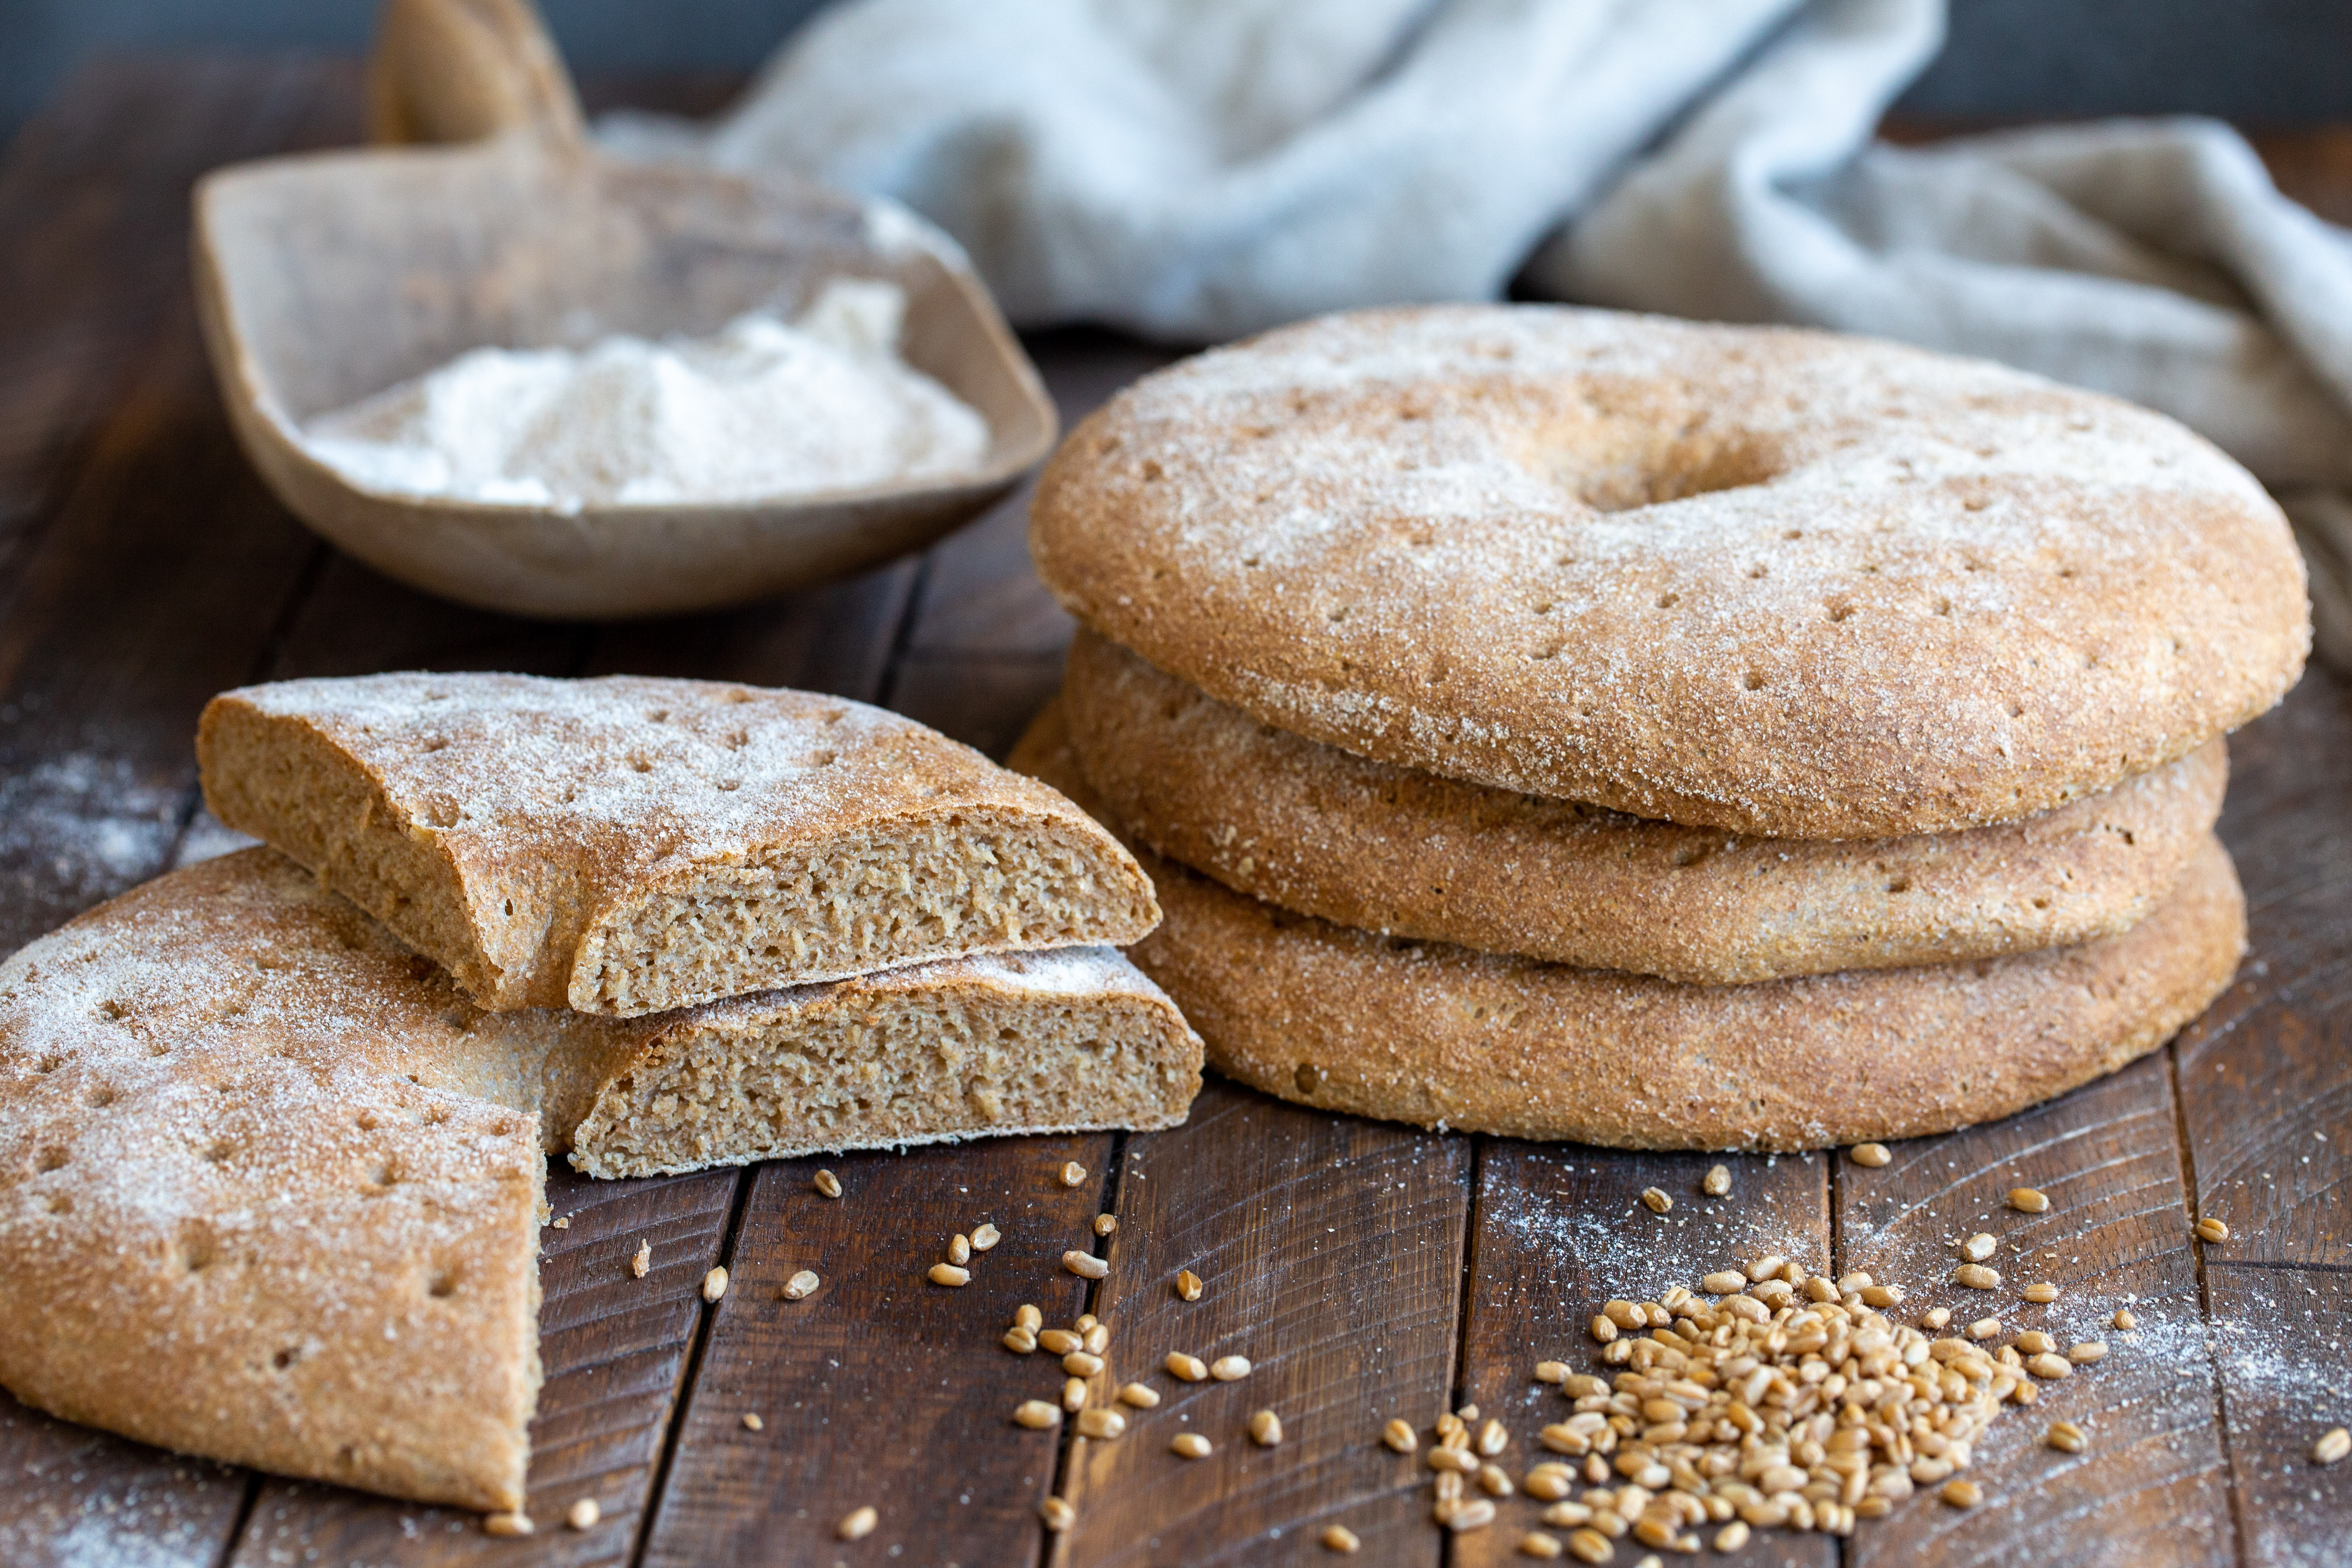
column 1197, row 169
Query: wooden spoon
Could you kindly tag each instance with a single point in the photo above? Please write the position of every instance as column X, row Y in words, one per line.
column 325, row 278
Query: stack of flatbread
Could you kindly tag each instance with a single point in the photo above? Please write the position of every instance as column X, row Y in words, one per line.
column 1577, row 725
column 273, row 1127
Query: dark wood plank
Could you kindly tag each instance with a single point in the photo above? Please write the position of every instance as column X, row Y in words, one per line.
column 70, row 1497
column 882, row 1390
column 615, row 1351
column 1330, row 1249
column 2286, row 1354
column 2152, row 1486
column 837, row 638
column 983, row 702
column 1560, row 1229
column 2266, row 1076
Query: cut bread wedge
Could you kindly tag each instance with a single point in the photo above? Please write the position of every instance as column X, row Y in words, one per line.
column 270, row 1183
column 629, row 844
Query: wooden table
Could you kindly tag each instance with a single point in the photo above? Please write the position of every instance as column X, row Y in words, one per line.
column 1369, row 1270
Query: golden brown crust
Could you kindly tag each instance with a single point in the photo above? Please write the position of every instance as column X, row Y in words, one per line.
column 1447, row 1037
column 1389, row 849
column 1766, row 580
column 631, row 844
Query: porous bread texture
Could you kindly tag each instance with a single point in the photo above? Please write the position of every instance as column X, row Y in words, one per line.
column 631, row 844
column 1772, row 580
column 1405, row 853
column 242, row 1217
column 1052, row 1042
column 269, row 1182
column 1449, row 1038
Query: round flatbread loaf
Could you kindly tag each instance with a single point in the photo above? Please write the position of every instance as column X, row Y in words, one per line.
column 1404, row 853
column 1773, row 581
column 1445, row 1038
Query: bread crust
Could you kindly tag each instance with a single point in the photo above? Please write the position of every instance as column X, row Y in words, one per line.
column 1445, row 1038
column 1392, row 850
column 1772, row 580
column 269, row 1182
column 630, row 845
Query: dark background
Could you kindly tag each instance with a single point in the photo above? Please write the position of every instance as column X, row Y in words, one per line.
column 2260, row 62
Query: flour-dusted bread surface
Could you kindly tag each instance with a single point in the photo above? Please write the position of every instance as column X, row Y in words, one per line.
column 1768, row 580
column 631, row 844
column 1406, row 853
column 270, row 1181
column 1437, row 1035
column 1071, row 1040
column 233, row 1225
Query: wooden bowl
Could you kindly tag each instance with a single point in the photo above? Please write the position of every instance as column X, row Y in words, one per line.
column 324, row 278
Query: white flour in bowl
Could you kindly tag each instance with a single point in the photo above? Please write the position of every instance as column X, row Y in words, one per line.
column 764, row 408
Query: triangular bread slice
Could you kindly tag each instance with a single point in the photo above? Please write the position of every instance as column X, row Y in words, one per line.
column 270, row 1183
column 631, row 844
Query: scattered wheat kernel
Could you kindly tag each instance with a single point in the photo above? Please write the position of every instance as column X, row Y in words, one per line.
column 1976, row 1276
column 802, row 1285
column 1492, row 1438
column 583, row 1514
column 1729, row 1282
column 1037, row 1415
column 1657, row 1200
column 857, row 1524
column 2048, row 1365
column 1442, row 1458
column 1086, row 1321
column 2066, row 1437
column 1603, row 1328
column 1227, row 1368
column 1339, row 1538
column 1020, row 1342
column 714, row 1285
column 1548, row 1485
column 1984, row 1328
column 1085, row 1265
column 1026, row 1315
column 2034, row 1342
column 1105, row 1224
column 1143, row 1396
column 1058, row 1515
column 1871, row 1155
column 950, row 1275
column 1732, row 1536
column 1961, row 1494
column 643, row 1260
column 1400, row 1437
column 1073, row 1174
column 1101, row 1423
column 2331, row 1447
column 984, row 1236
column 829, row 1186
column 752, row 1422
column 1189, row 1445
column 1476, row 1514
column 1535, row 1543
column 1717, row 1182
column 1937, row 1318
column 2086, row 1352
column 2040, row 1292
column 1082, row 1363
column 1190, row 1368
column 1074, row 1395
column 1188, row 1286
column 1060, row 1341
column 2028, row 1200
column 507, row 1524
column 1265, row 1428
column 1589, row 1545
column 2125, row 1321
column 1880, row 1295
column 1492, row 1481
column 2212, row 1230
column 1097, row 1339
column 1467, row 1414
column 959, row 1249
column 1551, row 1372
column 1978, row 1248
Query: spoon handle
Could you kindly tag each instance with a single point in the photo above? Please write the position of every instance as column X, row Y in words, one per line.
column 460, row 70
